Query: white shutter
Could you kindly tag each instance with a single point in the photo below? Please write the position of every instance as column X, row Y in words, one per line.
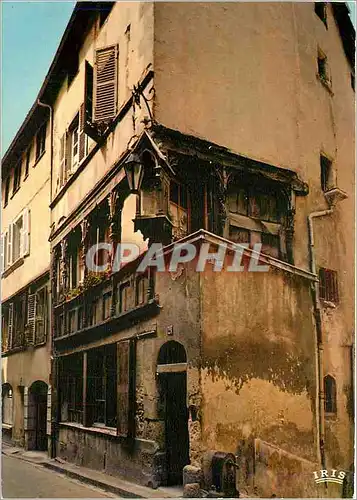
column 62, row 153
column 3, row 254
column 10, row 329
column 31, row 318
column 105, row 83
column 25, row 233
column 10, row 234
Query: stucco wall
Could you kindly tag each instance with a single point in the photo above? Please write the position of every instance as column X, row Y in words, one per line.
column 244, row 75
column 258, row 376
column 34, row 193
column 135, row 58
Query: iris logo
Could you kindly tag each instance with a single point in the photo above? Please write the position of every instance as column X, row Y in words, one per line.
column 332, row 476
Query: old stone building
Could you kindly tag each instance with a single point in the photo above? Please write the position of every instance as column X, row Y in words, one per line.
column 208, row 124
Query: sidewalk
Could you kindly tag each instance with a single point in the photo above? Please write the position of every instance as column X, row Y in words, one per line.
column 116, row 485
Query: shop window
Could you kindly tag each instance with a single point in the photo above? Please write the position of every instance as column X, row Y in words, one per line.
column 71, row 388
column 330, row 394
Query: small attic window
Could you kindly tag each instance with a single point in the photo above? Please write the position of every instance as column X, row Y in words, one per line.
column 320, row 11
column 325, row 172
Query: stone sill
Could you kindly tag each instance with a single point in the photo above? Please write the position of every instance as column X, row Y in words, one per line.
column 6, row 426
column 95, row 429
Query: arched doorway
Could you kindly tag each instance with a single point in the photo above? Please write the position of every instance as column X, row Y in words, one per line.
column 37, row 416
column 171, row 369
column 7, row 405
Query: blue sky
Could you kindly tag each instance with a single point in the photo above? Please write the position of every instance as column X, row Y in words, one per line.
column 31, row 32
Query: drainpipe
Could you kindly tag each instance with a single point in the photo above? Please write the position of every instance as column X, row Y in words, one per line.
column 319, row 339
column 53, row 361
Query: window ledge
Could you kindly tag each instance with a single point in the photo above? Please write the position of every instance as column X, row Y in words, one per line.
column 38, row 159
column 95, row 429
column 6, row 426
column 13, row 266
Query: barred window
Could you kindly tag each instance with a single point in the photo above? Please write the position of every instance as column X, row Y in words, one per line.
column 330, row 394
column 328, row 285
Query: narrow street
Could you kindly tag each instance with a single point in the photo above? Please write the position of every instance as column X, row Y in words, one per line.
column 22, row 479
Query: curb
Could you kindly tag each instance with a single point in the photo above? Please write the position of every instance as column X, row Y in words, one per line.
column 94, row 482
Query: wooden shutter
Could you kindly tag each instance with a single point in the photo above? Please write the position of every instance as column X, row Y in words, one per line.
column 10, row 234
column 25, row 233
column 10, row 329
column 31, row 318
column 105, row 84
column 126, row 387
column 62, row 172
column 82, row 135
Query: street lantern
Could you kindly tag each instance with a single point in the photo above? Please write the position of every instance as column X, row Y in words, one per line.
column 134, row 171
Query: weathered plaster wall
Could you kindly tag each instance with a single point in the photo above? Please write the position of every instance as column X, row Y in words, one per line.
column 34, row 193
column 258, row 375
column 216, row 67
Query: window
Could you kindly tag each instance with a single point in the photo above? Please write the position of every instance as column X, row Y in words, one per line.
column 17, row 177
column 178, row 209
column 74, row 144
column 72, row 65
column 105, row 84
column 323, row 70
column 27, row 162
column 102, row 385
column 71, row 385
column 320, row 10
column 255, row 217
column 41, row 141
column 330, row 394
column 353, row 81
column 7, row 190
column 325, row 172
column 16, row 240
column 328, row 285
